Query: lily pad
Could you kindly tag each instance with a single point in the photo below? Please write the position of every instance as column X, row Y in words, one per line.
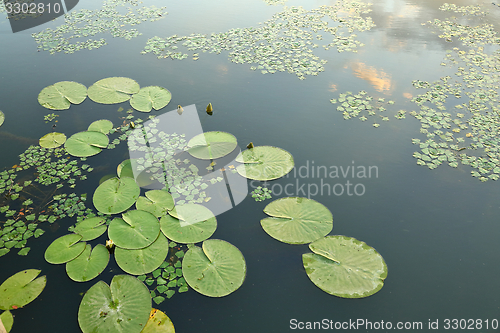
column 113, row 90
column 264, row 163
column 6, row 321
column 52, row 140
column 85, row 144
column 21, row 288
column 103, row 126
column 91, row 228
column 88, row 265
column 61, row 95
column 345, row 267
column 122, row 307
column 157, row 202
column 2, row 118
column 143, row 261
column 297, row 220
column 124, row 169
column 216, row 270
column 116, row 195
column 212, row 145
column 190, row 223
column 64, row 249
column 152, row 97
column 136, row 230
column 158, row 322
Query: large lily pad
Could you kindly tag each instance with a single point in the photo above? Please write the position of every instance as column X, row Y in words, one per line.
column 135, row 230
column 190, row 223
column 6, row 321
column 2, row 118
column 21, row 288
column 84, row 144
column 143, row 261
column 297, row 220
column 61, row 95
column 103, row 126
column 116, row 195
column 217, row 269
column 64, row 249
column 345, row 267
column 212, row 145
column 264, row 163
column 90, row 228
column 52, row 140
column 113, row 90
column 152, row 97
column 157, row 202
column 88, row 265
column 158, row 322
column 122, row 307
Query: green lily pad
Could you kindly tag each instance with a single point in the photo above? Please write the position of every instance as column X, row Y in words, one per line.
column 21, row 288
column 88, row 265
column 158, row 322
column 85, row 144
column 113, row 90
column 217, row 269
column 64, row 249
column 143, row 261
column 122, row 307
column 157, row 202
column 124, row 169
column 52, row 140
column 116, row 195
column 91, row 228
column 212, row 145
column 264, row 163
column 190, row 223
column 6, row 320
column 297, row 220
column 103, row 126
column 2, row 118
column 345, row 267
column 152, row 97
column 61, row 95
column 136, row 230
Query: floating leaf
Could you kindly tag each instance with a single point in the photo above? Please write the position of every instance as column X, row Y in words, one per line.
column 217, row 269
column 88, row 265
column 190, row 223
column 91, row 228
column 2, row 118
column 157, row 202
column 264, row 163
column 152, row 97
column 103, row 126
column 136, row 230
column 122, row 307
column 297, row 220
column 158, row 322
column 84, row 144
column 212, row 145
column 113, row 90
column 20, row 289
column 116, row 195
column 61, row 95
column 345, row 267
column 52, row 140
column 64, row 249
column 6, row 321
column 143, row 261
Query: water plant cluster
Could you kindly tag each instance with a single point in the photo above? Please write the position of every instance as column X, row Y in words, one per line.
column 261, row 193
column 284, row 43
column 86, row 23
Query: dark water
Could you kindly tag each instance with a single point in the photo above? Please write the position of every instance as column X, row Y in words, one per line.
column 437, row 230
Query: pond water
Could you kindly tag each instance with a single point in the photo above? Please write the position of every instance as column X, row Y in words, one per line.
column 437, row 230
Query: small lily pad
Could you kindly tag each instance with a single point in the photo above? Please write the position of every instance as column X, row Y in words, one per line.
column 123, row 307
column 103, row 126
column 157, row 202
column 52, row 140
column 6, row 320
column 190, row 223
column 135, row 230
column 61, row 95
column 116, row 195
column 212, row 145
column 2, row 118
column 152, row 97
column 158, row 322
column 88, row 265
column 64, row 249
column 264, row 163
column 85, row 144
column 91, row 228
column 21, row 288
column 113, row 90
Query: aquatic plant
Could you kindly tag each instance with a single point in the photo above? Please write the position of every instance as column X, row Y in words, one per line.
column 2, row 118
column 261, row 193
column 61, row 95
column 264, row 163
